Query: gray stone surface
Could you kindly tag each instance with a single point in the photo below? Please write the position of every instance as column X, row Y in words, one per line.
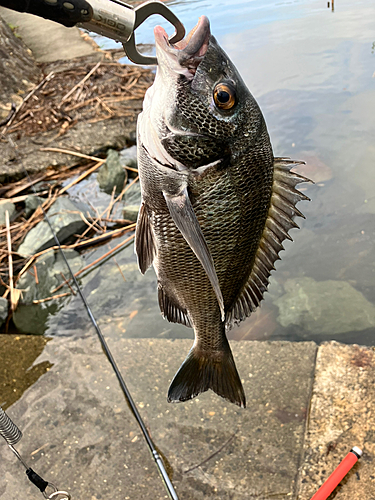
column 342, row 415
column 130, row 212
column 31, row 204
column 324, row 307
column 4, row 206
column 32, row 318
column 66, row 220
column 111, row 174
column 128, row 157
column 3, row 310
column 80, row 434
column 58, row 42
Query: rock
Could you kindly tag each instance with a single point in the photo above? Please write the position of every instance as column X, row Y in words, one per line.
column 65, row 218
column 130, row 212
column 32, row 318
column 133, row 195
column 132, row 202
column 4, row 206
column 324, row 307
column 31, row 204
column 249, row 454
column 128, row 156
column 3, row 310
column 111, row 174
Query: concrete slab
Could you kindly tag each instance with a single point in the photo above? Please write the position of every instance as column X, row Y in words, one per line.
column 47, row 40
column 342, row 416
column 79, row 433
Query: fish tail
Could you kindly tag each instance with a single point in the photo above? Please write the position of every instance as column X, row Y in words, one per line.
column 203, row 370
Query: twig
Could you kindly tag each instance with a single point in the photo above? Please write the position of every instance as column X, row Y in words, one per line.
column 53, row 297
column 81, row 82
column 73, row 153
column 89, row 266
column 82, row 176
column 10, row 115
column 46, row 79
column 67, row 283
column 14, row 293
column 211, row 456
column 36, row 274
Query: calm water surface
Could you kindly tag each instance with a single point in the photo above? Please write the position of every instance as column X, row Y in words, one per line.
column 312, row 71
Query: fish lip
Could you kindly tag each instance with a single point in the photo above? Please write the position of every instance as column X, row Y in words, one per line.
column 187, row 53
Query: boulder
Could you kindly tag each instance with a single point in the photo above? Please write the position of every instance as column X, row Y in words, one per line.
column 66, row 220
column 128, row 158
column 4, row 206
column 3, row 310
column 32, row 318
column 31, row 204
column 324, row 307
column 111, row 174
column 130, row 212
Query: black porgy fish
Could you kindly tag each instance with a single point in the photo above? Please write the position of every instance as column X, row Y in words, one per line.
column 216, row 204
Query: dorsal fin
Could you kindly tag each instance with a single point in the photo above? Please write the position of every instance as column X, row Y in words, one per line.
column 170, row 310
column 280, row 220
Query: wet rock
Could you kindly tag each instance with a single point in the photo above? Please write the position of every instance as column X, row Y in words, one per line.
column 30, row 317
column 66, row 220
column 133, row 195
column 130, row 212
column 132, row 202
column 4, row 206
column 31, row 204
column 111, row 174
column 324, row 307
column 3, row 310
column 128, row 157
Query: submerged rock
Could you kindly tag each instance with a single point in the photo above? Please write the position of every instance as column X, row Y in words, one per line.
column 32, row 318
column 324, row 307
column 66, row 220
column 4, row 206
column 111, row 174
column 3, row 310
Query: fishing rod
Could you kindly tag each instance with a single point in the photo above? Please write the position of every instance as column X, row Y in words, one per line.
column 159, row 463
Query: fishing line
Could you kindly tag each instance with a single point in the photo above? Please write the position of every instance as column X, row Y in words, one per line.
column 167, row 482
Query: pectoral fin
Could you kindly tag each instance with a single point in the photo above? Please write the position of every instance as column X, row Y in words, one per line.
column 185, row 219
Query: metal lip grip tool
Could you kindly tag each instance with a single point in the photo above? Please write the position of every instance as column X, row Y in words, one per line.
column 111, row 18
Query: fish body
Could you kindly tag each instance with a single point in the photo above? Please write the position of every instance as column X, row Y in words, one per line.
column 216, row 204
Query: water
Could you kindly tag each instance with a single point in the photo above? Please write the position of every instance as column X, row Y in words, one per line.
column 312, row 71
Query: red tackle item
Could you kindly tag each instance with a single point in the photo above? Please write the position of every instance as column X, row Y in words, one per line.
column 338, row 474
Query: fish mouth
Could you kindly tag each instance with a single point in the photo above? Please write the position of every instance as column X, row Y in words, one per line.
column 185, row 55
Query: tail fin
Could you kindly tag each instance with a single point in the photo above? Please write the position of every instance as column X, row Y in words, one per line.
column 201, row 371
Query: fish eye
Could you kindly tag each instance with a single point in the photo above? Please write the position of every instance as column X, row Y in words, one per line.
column 224, row 96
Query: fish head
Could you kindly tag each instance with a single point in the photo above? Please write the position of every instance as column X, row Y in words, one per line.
column 199, row 106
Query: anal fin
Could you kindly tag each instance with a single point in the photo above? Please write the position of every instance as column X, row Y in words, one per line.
column 170, row 310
